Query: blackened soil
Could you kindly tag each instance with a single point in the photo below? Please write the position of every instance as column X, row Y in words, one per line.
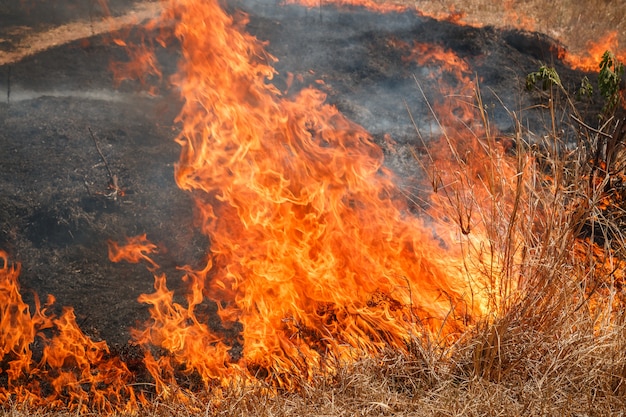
column 57, row 211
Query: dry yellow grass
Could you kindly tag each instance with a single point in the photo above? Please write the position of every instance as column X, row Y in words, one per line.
column 574, row 23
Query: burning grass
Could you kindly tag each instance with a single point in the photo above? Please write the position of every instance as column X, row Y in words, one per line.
column 501, row 293
column 564, row 363
column 553, row 342
column 554, row 339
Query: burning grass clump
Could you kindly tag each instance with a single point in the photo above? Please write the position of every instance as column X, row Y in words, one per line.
column 553, row 342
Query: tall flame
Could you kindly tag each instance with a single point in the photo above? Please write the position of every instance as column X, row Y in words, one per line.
column 313, row 248
column 591, row 58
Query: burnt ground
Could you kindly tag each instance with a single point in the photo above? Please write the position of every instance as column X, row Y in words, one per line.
column 55, row 212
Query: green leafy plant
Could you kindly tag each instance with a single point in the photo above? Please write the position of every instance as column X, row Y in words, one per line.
column 546, row 77
column 585, row 90
column 609, row 80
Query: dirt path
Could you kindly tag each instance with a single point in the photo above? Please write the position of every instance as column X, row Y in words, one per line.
column 30, row 42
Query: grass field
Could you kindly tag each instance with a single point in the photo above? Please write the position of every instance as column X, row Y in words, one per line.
column 574, row 23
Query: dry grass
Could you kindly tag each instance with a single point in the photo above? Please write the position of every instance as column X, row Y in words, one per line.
column 536, row 373
column 33, row 42
column 575, row 23
column 554, row 347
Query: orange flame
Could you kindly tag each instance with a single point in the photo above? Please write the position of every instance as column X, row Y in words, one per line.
column 473, row 178
column 590, row 59
column 313, row 248
column 192, row 346
column 587, row 60
column 72, row 371
column 142, row 63
column 136, row 249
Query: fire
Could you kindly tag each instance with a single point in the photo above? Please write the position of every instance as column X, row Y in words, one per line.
column 313, row 249
column 508, row 17
column 590, row 59
column 315, row 252
column 142, row 65
column 136, row 249
column 473, row 178
column 70, row 370
column 458, row 82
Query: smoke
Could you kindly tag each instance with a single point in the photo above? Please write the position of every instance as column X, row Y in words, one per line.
column 18, row 94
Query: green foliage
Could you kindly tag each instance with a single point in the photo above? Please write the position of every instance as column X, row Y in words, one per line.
column 546, row 76
column 609, row 82
column 585, row 90
column 609, row 79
